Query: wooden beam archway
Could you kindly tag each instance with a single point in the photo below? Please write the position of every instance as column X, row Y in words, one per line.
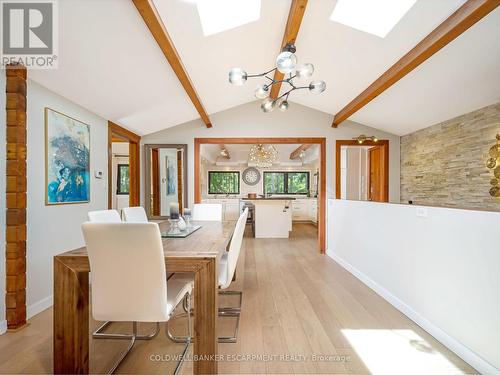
column 322, row 171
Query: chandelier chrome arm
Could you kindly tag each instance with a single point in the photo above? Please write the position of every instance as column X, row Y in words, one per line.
column 286, row 64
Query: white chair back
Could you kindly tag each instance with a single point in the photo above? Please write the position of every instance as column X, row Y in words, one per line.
column 207, row 212
column 104, row 216
column 129, row 281
column 134, row 215
column 235, row 247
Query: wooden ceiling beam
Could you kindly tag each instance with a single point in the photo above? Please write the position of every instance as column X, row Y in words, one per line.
column 153, row 21
column 466, row 16
column 297, row 9
column 296, row 153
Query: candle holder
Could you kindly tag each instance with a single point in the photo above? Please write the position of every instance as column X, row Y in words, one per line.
column 174, row 226
column 187, row 219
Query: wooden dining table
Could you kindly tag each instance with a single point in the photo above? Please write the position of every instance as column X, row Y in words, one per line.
column 198, row 253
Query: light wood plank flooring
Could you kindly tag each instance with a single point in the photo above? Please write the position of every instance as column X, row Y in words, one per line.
column 296, row 302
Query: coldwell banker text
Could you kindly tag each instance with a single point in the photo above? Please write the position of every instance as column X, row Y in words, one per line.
column 29, row 33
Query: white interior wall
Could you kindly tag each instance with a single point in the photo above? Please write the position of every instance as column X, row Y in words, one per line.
column 248, row 120
column 354, row 172
column 3, row 322
column 443, row 269
column 55, row 229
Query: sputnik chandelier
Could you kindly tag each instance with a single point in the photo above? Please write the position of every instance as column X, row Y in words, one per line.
column 263, row 156
column 286, row 63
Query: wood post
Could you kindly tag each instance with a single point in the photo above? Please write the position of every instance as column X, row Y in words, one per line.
column 15, row 298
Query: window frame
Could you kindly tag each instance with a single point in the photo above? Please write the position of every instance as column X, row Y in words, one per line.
column 224, row 172
column 118, row 178
column 285, row 173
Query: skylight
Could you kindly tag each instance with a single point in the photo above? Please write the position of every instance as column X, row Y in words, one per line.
column 375, row 17
column 221, row 15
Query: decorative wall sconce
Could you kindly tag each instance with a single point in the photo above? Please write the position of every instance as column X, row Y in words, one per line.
column 493, row 163
column 363, row 138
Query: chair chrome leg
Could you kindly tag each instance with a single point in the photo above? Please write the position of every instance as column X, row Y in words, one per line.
column 187, row 304
column 123, row 336
column 233, row 309
column 234, row 338
column 125, row 353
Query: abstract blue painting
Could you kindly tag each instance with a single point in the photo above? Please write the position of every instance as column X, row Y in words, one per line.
column 67, row 159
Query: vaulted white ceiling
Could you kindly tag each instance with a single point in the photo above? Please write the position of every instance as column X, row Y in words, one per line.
column 110, row 64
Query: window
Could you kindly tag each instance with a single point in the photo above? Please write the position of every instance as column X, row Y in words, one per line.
column 221, row 15
column 286, row 182
column 122, row 180
column 374, row 17
column 223, row 182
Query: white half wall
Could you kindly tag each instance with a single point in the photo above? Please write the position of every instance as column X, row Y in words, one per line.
column 248, row 120
column 3, row 322
column 439, row 266
column 55, row 229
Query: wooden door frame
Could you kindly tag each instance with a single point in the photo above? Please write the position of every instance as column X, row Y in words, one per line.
column 147, row 175
column 384, row 145
column 322, row 162
column 134, row 140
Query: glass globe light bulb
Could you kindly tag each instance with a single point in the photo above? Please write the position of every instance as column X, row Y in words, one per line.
column 375, row 139
column 262, row 92
column 283, row 106
column 317, row 87
column 305, row 71
column 237, row 76
column 286, row 62
column 267, row 105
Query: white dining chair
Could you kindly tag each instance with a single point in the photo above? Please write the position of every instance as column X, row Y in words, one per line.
column 227, row 268
column 207, row 212
column 104, row 216
column 128, row 265
column 134, row 215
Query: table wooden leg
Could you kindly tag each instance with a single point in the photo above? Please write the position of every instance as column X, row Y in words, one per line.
column 205, row 318
column 71, row 320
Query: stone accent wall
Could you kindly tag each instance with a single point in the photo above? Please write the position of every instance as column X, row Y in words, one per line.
column 445, row 164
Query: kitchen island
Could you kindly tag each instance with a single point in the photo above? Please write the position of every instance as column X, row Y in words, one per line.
column 273, row 217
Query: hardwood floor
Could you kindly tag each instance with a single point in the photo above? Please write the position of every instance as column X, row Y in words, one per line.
column 296, row 302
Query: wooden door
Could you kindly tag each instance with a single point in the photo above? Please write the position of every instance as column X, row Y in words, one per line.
column 376, row 185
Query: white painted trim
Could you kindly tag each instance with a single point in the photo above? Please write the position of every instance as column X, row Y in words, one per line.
column 458, row 348
column 38, row 307
column 3, row 327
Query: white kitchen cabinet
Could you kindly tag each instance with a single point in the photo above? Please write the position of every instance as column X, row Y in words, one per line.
column 305, row 210
column 230, row 208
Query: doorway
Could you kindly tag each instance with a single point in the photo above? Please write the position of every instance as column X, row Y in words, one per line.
column 123, row 167
column 362, row 170
column 304, row 142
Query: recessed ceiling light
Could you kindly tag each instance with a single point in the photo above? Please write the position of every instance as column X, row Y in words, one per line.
column 377, row 17
column 221, row 15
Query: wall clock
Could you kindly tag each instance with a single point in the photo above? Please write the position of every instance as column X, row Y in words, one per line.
column 251, row 176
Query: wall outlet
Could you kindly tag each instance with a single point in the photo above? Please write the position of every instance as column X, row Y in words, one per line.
column 98, row 174
column 421, row 212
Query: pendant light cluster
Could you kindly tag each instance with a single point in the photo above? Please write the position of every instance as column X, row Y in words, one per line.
column 263, row 156
column 286, row 63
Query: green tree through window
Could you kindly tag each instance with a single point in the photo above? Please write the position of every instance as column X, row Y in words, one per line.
column 123, row 179
column 223, row 182
column 286, row 182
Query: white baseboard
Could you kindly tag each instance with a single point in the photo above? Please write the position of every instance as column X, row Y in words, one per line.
column 3, row 326
column 38, row 307
column 458, row 348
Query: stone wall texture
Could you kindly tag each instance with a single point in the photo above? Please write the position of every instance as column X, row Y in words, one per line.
column 445, row 164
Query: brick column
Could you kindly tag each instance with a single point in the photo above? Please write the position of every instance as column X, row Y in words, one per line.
column 15, row 299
